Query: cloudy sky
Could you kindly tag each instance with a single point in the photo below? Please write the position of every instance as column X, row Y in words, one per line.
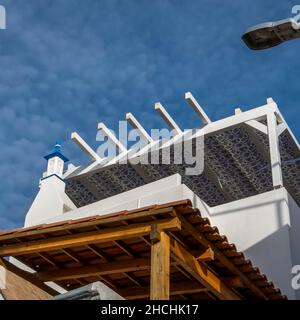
column 65, row 65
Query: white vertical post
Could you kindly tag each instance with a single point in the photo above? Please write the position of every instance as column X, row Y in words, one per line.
column 274, row 150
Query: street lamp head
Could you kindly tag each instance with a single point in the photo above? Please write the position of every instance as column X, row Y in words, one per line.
column 270, row 34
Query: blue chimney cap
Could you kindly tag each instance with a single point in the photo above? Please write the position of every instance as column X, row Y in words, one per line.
column 56, row 152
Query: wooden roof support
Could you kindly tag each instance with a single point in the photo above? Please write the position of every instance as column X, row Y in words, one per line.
column 47, row 258
column 104, row 220
column 186, row 256
column 124, row 247
column 160, row 266
column 95, row 270
column 73, row 240
column 81, row 262
column 207, row 255
column 27, row 276
column 107, row 258
column 186, row 287
column 98, row 252
column 72, row 255
column 233, row 282
column 201, row 272
column 198, row 235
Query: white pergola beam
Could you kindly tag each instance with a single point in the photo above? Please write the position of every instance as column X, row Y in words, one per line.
column 111, row 137
column 224, row 124
column 258, row 126
column 253, row 123
column 85, row 147
column 197, row 108
column 168, row 119
column 281, row 128
column 136, row 125
column 288, row 129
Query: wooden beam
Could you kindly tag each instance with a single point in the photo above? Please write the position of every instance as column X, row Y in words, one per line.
column 199, row 236
column 201, row 272
column 207, row 255
column 98, row 252
column 92, row 270
column 233, row 282
column 47, row 258
column 185, row 287
column 72, row 255
column 160, row 268
column 123, row 246
column 75, row 240
column 111, row 218
column 27, row 276
column 106, row 258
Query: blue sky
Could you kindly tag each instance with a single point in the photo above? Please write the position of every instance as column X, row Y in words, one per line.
column 66, row 65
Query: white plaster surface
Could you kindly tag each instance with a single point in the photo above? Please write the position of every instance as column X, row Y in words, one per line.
column 50, row 201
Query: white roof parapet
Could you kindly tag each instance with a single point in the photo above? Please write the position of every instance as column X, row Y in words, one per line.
column 168, row 119
column 197, row 108
column 136, row 125
column 111, row 137
column 85, row 147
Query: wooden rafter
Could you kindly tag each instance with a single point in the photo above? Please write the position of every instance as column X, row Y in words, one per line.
column 187, row 287
column 98, row 269
column 62, row 242
column 220, row 256
column 111, row 218
column 201, row 272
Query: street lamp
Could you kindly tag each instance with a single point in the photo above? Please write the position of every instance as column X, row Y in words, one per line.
column 270, row 34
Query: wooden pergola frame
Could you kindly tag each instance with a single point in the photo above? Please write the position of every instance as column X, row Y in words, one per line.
column 158, row 228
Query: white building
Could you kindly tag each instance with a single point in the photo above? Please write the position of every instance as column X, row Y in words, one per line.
column 249, row 188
